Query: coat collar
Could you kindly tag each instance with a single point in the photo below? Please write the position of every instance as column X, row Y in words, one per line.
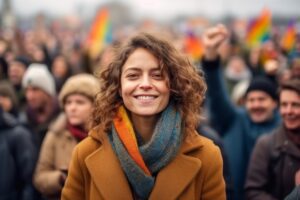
column 106, row 171
column 284, row 144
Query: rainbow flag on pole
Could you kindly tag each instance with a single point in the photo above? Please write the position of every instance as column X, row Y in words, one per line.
column 100, row 33
column 259, row 29
column 288, row 39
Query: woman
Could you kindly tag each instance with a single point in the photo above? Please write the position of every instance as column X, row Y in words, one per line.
column 144, row 144
column 76, row 98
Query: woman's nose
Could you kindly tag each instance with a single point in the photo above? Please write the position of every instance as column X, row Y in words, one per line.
column 146, row 83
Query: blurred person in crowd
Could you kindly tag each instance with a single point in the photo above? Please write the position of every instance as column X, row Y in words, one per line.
column 253, row 61
column 239, row 127
column 284, row 75
column 3, row 61
column 16, row 71
column 61, row 71
column 274, row 169
column 236, row 71
column 37, row 53
column 76, row 98
column 295, row 68
column 42, row 106
column 3, row 68
column 17, row 159
column 144, row 144
column 8, row 98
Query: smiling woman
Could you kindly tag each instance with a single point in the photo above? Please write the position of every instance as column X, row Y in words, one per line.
column 144, row 138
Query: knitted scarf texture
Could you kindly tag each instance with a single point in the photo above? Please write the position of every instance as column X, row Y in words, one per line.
column 141, row 162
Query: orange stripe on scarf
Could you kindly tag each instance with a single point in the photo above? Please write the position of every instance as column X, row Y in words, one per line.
column 126, row 134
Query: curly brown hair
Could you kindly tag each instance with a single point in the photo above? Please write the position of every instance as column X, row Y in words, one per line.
column 186, row 85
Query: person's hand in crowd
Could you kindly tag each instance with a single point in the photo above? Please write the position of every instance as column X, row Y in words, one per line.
column 297, row 178
column 271, row 67
column 212, row 39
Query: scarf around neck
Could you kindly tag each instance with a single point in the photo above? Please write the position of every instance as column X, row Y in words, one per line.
column 141, row 162
column 78, row 132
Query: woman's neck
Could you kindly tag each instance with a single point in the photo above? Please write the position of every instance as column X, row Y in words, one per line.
column 144, row 126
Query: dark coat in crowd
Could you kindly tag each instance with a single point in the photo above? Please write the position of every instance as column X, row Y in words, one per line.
column 274, row 163
column 238, row 131
column 17, row 160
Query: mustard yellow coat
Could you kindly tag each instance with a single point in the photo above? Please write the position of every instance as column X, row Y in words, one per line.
column 95, row 172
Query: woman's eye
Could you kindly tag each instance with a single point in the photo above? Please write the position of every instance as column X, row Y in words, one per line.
column 157, row 76
column 131, row 76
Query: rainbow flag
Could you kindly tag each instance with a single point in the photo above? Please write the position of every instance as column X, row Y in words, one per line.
column 288, row 39
column 259, row 29
column 193, row 46
column 100, row 33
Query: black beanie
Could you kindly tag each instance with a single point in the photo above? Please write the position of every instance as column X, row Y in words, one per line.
column 263, row 84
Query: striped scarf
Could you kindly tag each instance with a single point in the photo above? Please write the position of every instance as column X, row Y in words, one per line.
column 141, row 162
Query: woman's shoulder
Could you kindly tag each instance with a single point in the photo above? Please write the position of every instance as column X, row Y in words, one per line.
column 198, row 143
column 89, row 144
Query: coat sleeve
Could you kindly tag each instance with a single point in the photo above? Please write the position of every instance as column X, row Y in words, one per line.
column 257, row 177
column 74, row 186
column 214, row 185
column 46, row 177
column 221, row 109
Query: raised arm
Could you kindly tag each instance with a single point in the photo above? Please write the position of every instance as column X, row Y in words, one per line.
column 221, row 109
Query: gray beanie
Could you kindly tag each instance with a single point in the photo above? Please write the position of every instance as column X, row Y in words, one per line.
column 38, row 75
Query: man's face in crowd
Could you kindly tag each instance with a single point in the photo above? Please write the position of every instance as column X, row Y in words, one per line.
column 36, row 98
column 16, row 72
column 290, row 109
column 260, row 106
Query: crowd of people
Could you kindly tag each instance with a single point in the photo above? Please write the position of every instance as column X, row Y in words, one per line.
column 143, row 120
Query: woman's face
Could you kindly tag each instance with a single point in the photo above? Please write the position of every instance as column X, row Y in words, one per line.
column 78, row 109
column 144, row 87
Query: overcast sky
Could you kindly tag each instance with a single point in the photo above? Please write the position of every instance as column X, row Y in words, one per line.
column 162, row 8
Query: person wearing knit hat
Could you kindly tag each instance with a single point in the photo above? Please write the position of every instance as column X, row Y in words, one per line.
column 41, row 102
column 84, row 84
column 274, row 168
column 76, row 98
column 239, row 126
column 261, row 83
column 38, row 75
column 261, row 99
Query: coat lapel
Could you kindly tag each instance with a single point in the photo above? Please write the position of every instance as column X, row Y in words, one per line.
column 175, row 177
column 107, row 174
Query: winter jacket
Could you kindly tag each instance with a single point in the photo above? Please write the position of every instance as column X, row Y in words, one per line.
column 233, row 123
column 95, row 172
column 17, row 158
column 274, row 163
column 54, row 159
